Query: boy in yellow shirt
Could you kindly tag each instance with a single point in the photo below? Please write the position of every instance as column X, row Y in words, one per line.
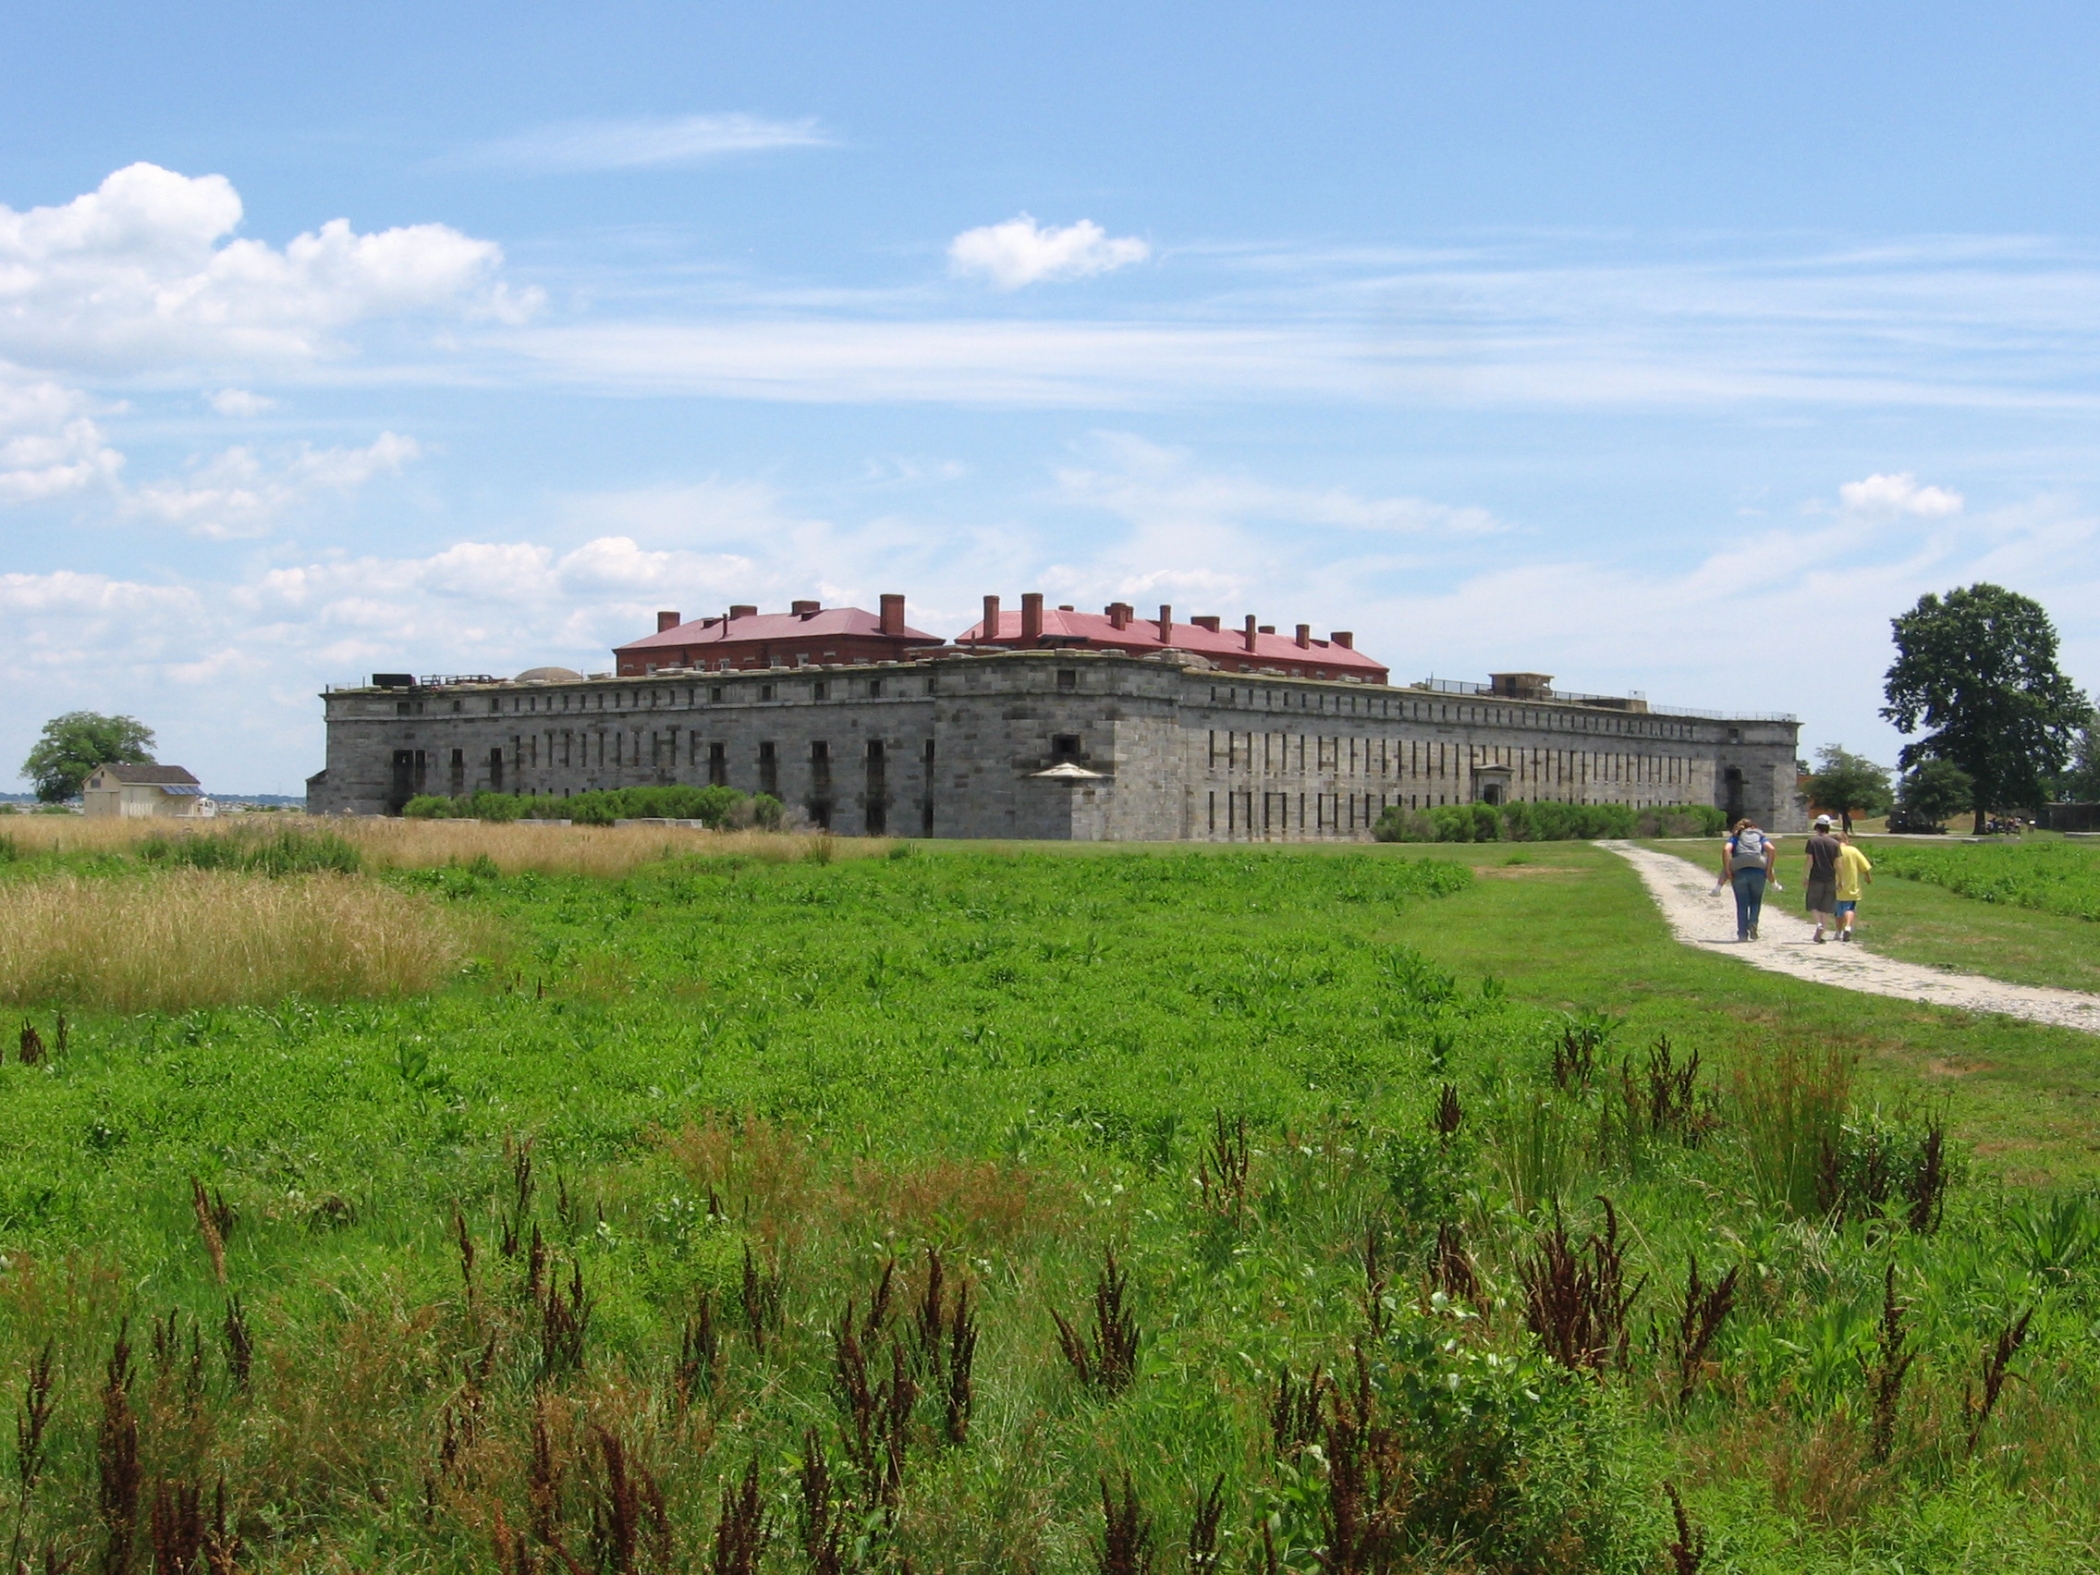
column 1853, row 871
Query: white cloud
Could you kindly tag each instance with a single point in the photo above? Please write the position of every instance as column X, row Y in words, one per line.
column 574, row 146
column 1898, row 495
column 1021, row 252
column 141, row 273
column 236, row 494
column 49, row 446
column 240, row 402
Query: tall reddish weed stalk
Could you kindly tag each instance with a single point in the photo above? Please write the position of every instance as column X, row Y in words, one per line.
column 117, row 1460
column 1576, row 1300
column 1110, row 1363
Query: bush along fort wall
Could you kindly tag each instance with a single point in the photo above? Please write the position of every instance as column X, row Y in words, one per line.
column 1062, row 745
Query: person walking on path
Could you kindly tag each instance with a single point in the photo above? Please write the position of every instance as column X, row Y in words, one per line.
column 1853, row 871
column 1746, row 864
column 1823, row 852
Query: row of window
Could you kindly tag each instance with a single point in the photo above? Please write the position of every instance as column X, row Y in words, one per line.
column 1407, row 709
column 1391, row 758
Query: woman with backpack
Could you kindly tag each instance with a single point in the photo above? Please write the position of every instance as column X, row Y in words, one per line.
column 1746, row 864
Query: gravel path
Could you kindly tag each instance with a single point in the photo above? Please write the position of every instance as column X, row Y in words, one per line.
column 1701, row 917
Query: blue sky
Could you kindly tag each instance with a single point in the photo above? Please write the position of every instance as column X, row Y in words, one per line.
column 1654, row 348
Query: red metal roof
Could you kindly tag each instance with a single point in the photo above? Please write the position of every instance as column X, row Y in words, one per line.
column 778, row 628
column 1225, row 646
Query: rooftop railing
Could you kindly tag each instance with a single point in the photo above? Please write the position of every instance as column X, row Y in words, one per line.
column 1459, row 686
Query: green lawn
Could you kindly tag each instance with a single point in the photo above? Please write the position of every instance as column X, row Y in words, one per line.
column 604, row 1223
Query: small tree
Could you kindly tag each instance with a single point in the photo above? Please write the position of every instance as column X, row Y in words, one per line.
column 2081, row 783
column 71, row 746
column 1935, row 791
column 1849, row 784
column 1978, row 666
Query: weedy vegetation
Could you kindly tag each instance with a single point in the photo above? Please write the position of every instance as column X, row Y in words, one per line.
column 759, row 1206
column 2050, row 875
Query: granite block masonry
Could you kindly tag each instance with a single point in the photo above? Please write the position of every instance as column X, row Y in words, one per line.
column 1059, row 745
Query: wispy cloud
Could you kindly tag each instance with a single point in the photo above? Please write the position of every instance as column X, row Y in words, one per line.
column 240, row 403
column 238, row 495
column 1155, row 487
column 1524, row 325
column 570, row 147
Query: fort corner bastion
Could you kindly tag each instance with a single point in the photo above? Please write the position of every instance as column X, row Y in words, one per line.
column 1048, row 723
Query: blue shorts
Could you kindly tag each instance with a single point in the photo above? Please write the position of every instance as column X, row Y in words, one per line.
column 1846, row 907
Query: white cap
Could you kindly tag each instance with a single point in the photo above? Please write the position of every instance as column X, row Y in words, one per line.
column 1822, row 820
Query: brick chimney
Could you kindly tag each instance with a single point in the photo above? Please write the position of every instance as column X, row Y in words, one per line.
column 989, row 629
column 805, row 609
column 1305, row 637
column 743, row 612
column 1250, row 631
column 892, row 614
column 1342, row 638
column 667, row 620
column 1119, row 615
column 1166, row 624
column 1031, row 620
column 1206, row 621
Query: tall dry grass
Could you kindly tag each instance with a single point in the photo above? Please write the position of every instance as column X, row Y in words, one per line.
column 187, row 938
column 513, row 847
column 578, row 850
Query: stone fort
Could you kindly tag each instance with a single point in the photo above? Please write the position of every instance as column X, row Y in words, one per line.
column 1042, row 723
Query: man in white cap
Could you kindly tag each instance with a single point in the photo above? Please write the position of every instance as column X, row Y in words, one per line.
column 1824, row 851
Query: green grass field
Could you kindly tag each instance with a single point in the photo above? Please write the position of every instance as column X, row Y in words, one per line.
column 554, row 1265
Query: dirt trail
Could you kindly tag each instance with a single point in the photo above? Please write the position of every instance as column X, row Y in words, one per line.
column 1701, row 917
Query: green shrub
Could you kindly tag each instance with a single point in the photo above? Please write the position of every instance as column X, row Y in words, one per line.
column 1543, row 820
column 429, row 806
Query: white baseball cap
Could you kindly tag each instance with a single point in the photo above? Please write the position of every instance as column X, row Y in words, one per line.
column 1822, row 820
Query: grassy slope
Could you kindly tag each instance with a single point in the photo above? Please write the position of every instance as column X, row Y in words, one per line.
column 1573, row 926
column 1915, row 921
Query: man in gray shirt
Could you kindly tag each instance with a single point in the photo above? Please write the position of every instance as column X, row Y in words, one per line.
column 1823, row 852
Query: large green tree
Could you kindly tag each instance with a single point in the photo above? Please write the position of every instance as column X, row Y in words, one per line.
column 72, row 745
column 1849, row 784
column 1978, row 667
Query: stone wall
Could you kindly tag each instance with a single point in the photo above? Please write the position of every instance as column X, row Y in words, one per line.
column 955, row 748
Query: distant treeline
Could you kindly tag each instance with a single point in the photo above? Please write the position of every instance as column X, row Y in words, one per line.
column 1545, row 821
column 715, row 807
